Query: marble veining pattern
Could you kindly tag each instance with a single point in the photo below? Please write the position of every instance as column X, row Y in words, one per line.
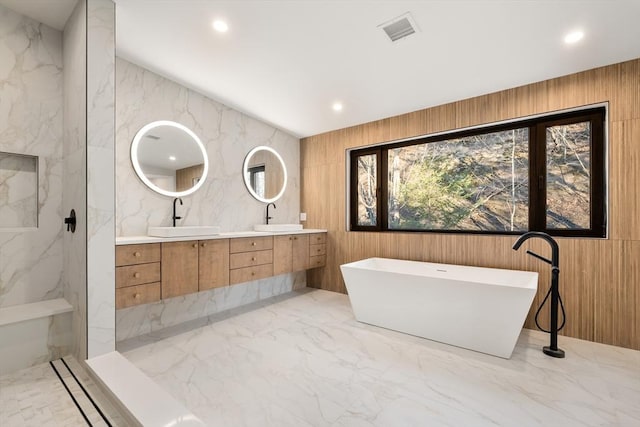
column 36, row 397
column 31, row 118
column 228, row 135
column 100, row 177
column 144, row 319
column 302, row 360
column 75, row 173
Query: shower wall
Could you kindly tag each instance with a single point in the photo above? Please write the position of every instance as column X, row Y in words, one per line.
column 75, row 172
column 31, row 123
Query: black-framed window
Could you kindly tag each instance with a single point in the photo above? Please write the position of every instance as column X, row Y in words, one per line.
column 542, row 174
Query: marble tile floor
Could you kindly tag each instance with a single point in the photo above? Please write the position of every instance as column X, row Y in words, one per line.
column 301, row 359
column 35, row 396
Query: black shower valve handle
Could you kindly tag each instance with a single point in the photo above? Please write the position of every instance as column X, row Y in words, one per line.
column 71, row 221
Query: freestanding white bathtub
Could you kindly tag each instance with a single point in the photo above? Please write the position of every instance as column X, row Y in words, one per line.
column 481, row 309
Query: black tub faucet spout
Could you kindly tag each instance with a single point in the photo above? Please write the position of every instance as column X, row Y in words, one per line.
column 552, row 350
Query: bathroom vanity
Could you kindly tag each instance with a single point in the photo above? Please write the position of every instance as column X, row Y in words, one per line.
column 149, row 269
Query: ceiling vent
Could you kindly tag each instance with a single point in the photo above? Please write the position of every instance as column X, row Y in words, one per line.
column 400, row 27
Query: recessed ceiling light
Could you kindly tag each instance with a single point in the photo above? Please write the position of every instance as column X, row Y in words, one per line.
column 172, row 158
column 337, row 106
column 573, row 37
column 220, row 26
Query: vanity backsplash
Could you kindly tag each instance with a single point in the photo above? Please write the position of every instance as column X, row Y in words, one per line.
column 228, row 135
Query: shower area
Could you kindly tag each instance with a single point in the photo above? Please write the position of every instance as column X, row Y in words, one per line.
column 56, row 155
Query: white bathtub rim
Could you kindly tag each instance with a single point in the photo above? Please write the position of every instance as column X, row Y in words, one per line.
column 531, row 281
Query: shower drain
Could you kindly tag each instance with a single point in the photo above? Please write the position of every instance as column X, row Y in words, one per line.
column 87, row 407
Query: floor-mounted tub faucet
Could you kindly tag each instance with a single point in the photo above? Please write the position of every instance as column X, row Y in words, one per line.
column 552, row 350
column 268, row 217
column 174, row 217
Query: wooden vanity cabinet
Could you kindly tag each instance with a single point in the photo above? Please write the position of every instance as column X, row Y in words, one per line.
column 150, row 272
column 290, row 253
column 250, row 259
column 179, row 268
column 213, row 264
column 137, row 274
column 317, row 250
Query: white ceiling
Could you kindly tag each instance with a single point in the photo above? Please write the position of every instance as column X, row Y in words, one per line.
column 53, row 13
column 287, row 62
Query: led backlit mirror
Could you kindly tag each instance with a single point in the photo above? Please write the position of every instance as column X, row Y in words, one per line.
column 265, row 174
column 169, row 158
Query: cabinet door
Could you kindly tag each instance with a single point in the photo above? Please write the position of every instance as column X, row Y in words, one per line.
column 282, row 254
column 213, row 264
column 179, row 268
column 300, row 249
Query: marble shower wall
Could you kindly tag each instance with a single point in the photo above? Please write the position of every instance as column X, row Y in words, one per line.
column 100, row 179
column 31, row 123
column 75, row 173
column 228, row 135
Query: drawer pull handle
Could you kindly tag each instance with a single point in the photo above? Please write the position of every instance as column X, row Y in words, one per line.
column 253, row 259
column 136, row 296
column 253, row 273
column 136, row 275
column 319, row 238
column 136, row 254
column 204, row 245
column 290, row 238
column 253, row 243
column 295, row 238
column 195, row 245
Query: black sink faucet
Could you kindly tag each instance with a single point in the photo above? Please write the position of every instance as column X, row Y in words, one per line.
column 552, row 350
column 268, row 217
column 174, row 217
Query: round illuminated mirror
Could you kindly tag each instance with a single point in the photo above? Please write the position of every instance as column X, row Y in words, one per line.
column 265, row 174
column 169, row 158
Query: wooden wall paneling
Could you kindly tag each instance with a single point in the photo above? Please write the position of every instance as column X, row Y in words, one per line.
column 624, row 183
column 599, row 307
column 625, row 297
column 628, row 96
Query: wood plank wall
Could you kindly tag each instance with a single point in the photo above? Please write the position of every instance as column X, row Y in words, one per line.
column 599, row 279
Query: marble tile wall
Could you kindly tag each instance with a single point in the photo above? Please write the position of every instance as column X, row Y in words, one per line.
column 228, row 135
column 18, row 191
column 148, row 318
column 31, row 123
column 75, row 172
column 100, row 177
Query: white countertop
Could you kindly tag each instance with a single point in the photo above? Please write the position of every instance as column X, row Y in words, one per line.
column 132, row 240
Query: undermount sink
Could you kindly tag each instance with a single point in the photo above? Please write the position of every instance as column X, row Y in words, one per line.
column 275, row 228
column 184, row 231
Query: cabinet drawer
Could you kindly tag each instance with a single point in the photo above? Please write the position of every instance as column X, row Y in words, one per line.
column 317, row 238
column 248, row 259
column 137, row 274
column 315, row 250
column 247, row 244
column 317, row 261
column 248, row 274
column 139, row 294
column 137, row 254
